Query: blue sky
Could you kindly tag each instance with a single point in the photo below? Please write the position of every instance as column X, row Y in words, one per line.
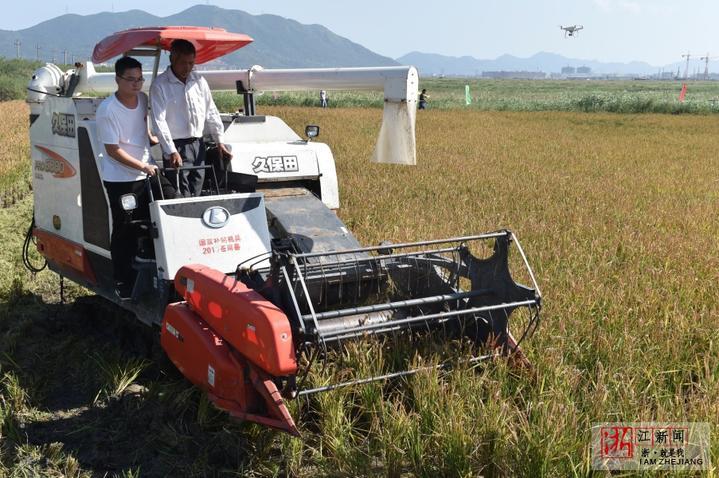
column 655, row 31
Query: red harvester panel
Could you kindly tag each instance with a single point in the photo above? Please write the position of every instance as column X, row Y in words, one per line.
column 231, row 382
column 65, row 253
column 203, row 357
column 251, row 324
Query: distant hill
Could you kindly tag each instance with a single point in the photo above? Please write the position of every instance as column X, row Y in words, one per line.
column 433, row 64
column 279, row 42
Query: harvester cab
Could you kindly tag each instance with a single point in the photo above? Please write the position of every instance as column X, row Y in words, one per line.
column 257, row 278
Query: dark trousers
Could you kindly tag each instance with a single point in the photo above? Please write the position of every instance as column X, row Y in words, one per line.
column 123, row 242
column 192, row 152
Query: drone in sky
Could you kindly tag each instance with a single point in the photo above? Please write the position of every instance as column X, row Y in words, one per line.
column 571, row 30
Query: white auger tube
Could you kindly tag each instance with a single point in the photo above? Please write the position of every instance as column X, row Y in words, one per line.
column 396, row 142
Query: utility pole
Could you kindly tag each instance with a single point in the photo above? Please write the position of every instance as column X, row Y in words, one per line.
column 17, row 48
column 706, row 66
column 686, row 69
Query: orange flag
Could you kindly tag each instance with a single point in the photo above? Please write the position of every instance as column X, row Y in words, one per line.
column 683, row 93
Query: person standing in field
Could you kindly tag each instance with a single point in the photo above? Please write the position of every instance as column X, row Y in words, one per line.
column 182, row 109
column 323, row 98
column 126, row 164
column 423, row 97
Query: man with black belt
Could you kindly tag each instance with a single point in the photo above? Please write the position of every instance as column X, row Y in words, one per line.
column 126, row 163
column 182, row 109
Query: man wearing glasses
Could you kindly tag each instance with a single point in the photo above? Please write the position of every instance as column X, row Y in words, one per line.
column 126, row 165
column 182, row 109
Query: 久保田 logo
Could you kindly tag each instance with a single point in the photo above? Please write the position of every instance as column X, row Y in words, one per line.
column 215, row 217
column 275, row 164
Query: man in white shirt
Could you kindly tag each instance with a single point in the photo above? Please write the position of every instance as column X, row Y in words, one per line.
column 126, row 163
column 182, row 110
column 323, row 98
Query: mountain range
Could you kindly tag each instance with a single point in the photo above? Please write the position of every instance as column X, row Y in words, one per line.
column 279, row 43
column 433, row 64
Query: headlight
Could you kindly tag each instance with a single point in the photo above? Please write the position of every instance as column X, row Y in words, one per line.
column 312, row 131
column 128, row 202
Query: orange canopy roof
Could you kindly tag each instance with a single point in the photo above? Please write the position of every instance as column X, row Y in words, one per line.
column 210, row 43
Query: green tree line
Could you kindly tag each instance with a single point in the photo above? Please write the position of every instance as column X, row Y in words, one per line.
column 14, row 77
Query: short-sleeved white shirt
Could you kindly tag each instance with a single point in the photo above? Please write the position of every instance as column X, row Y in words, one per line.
column 127, row 128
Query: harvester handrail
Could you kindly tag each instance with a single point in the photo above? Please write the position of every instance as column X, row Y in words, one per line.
column 443, row 316
column 387, row 376
column 294, row 297
column 490, row 235
column 526, row 263
column 333, row 314
column 306, row 291
column 337, row 265
column 321, row 266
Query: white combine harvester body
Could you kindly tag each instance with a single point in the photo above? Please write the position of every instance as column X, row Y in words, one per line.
column 259, row 270
column 67, row 157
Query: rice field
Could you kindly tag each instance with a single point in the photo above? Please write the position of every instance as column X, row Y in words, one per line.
column 587, row 96
column 15, row 153
column 617, row 213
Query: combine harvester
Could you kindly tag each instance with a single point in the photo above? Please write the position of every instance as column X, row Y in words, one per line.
column 257, row 279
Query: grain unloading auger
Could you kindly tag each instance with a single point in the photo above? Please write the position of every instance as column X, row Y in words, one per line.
column 258, row 278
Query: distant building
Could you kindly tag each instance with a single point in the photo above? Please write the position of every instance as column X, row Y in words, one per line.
column 515, row 75
column 584, row 70
column 568, row 70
